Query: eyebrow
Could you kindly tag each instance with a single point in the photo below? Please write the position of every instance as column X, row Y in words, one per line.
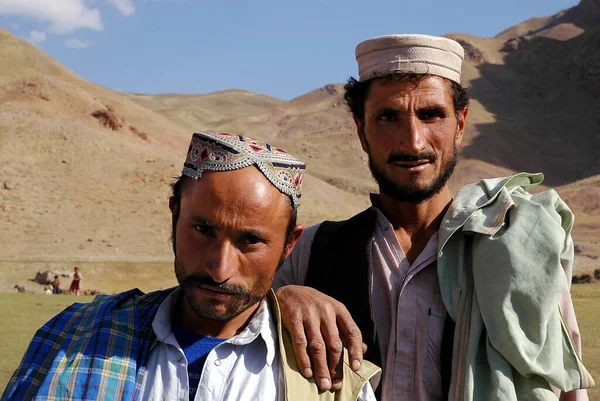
column 243, row 232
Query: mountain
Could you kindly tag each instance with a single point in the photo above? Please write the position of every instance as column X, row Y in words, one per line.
column 85, row 172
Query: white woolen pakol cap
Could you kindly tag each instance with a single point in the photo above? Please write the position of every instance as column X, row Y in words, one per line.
column 418, row 54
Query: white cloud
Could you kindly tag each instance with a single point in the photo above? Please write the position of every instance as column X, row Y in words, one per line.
column 75, row 43
column 124, row 6
column 37, row 37
column 65, row 16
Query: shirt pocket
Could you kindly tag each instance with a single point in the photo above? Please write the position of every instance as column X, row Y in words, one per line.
column 432, row 370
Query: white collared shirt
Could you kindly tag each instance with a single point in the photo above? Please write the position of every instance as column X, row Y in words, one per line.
column 244, row 367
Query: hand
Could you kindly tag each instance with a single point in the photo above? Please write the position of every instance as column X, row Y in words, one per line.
column 322, row 326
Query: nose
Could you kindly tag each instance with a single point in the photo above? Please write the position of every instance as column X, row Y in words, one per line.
column 221, row 263
column 411, row 139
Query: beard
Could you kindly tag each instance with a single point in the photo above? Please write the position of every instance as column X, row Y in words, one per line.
column 410, row 191
column 240, row 297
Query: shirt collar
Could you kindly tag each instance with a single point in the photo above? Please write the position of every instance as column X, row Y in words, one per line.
column 426, row 256
column 261, row 325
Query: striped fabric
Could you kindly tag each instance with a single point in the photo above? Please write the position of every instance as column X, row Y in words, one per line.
column 95, row 351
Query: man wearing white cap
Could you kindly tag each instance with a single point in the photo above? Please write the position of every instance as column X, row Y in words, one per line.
column 462, row 299
column 216, row 336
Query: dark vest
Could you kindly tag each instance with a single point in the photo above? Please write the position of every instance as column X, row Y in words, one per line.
column 340, row 266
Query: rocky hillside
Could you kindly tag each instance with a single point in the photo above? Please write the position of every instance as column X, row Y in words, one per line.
column 85, row 171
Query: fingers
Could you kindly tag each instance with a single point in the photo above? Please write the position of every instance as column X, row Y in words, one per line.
column 335, row 352
column 351, row 338
column 300, row 344
column 319, row 327
column 318, row 354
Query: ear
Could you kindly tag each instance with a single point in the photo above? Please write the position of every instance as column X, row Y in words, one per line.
column 461, row 125
column 360, row 131
column 173, row 206
column 292, row 239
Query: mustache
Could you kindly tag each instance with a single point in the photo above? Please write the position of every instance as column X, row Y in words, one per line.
column 403, row 157
column 206, row 281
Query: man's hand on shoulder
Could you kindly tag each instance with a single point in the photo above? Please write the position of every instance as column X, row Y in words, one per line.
column 320, row 326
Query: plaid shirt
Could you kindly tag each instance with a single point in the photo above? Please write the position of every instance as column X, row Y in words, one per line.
column 95, row 351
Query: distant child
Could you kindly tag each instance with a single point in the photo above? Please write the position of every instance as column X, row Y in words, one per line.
column 56, row 286
column 48, row 288
column 75, row 282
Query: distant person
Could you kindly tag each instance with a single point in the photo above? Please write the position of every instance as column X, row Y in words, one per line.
column 217, row 336
column 76, row 281
column 56, row 286
column 48, row 288
column 463, row 298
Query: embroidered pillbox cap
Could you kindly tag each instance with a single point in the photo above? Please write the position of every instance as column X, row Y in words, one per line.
column 417, row 54
column 221, row 151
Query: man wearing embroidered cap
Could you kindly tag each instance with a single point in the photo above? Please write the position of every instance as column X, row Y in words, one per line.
column 216, row 336
column 398, row 276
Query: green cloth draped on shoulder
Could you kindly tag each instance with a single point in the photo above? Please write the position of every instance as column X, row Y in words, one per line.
column 503, row 257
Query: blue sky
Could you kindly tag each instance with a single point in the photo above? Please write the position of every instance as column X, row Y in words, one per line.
column 282, row 48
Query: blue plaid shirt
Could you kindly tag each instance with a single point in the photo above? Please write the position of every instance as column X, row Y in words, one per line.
column 95, row 351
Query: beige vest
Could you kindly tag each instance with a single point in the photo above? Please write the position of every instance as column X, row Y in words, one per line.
column 299, row 388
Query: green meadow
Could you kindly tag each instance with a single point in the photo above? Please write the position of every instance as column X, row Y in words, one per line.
column 22, row 314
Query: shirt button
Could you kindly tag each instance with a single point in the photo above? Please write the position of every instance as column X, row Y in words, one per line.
column 406, row 333
column 217, row 362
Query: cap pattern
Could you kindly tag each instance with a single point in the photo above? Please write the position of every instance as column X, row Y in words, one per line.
column 221, row 151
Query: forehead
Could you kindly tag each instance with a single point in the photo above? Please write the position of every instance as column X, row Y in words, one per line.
column 245, row 193
column 429, row 90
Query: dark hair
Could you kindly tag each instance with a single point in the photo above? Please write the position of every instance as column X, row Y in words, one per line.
column 178, row 188
column 356, row 92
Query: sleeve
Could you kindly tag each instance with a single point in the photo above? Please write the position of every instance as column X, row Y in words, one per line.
column 294, row 268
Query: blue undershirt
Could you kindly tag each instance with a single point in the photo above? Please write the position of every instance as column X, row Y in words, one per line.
column 196, row 348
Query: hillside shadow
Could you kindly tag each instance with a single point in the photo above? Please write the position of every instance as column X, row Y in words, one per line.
column 545, row 100
column 585, row 16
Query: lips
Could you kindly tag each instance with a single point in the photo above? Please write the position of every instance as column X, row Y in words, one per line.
column 410, row 164
column 215, row 290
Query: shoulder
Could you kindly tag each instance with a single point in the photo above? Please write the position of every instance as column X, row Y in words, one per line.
column 127, row 306
column 309, row 234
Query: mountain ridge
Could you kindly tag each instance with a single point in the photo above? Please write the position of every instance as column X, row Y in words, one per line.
column 87, row 171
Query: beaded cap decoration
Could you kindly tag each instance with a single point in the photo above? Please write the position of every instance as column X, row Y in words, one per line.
column 221, row 151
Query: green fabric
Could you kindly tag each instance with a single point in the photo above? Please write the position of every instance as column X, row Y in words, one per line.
column 502, row 253
column 299, row 388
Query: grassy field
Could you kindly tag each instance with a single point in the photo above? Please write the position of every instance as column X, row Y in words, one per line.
column 22, row 314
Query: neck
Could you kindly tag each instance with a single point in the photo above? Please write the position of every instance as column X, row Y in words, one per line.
column 413, row 218
column 186, row 317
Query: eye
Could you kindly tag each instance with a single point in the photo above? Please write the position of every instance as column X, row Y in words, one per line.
column 204, row 229
column 388, row 116
column 252, row 239
column 430, row 114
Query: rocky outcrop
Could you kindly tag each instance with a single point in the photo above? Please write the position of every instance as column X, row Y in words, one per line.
column 582, row 279
column 48, row 276
column 513, row 44
column 472, row 53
